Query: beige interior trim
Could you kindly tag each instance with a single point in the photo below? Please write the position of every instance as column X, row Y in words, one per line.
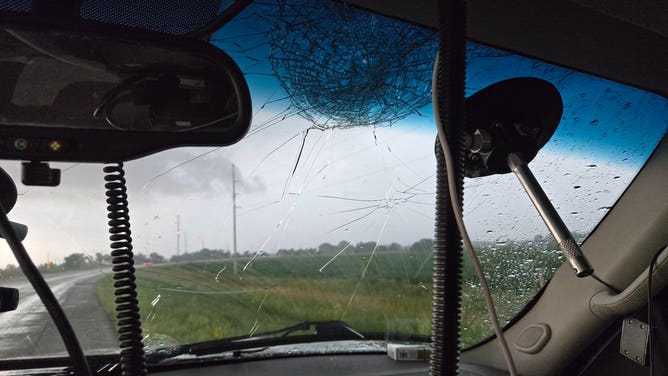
column 608, row 305
column 620, row 249
column 558, row 31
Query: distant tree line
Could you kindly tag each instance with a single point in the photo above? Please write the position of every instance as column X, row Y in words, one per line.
column 517, row 264
column 360, row 248
column 81, row 260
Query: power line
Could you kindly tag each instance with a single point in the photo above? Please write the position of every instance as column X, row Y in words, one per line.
column 178, row 234
column 234, row 219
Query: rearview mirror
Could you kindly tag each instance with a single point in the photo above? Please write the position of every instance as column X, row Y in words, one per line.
column 107, row 95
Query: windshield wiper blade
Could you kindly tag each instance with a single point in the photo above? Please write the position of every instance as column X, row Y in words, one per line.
column 327, row 330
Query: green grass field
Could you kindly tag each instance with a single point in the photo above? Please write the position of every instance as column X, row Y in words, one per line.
column 194, row 302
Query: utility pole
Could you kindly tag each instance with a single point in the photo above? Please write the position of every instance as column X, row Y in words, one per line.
column 185, row 242
column 234, row 220
column 178, row 234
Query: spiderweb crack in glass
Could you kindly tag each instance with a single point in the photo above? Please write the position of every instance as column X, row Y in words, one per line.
column 311, row 156
column 256, row 324
column 343, row 67
column 334, row 257
column 373, row 253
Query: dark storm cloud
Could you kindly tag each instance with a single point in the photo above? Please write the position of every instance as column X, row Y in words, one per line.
column 154, row 175
column 211, row 174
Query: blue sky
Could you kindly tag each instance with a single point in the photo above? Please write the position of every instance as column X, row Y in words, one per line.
column 599, row 115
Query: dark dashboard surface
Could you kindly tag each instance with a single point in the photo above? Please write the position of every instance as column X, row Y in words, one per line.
column 362, row 365
column 346, row 364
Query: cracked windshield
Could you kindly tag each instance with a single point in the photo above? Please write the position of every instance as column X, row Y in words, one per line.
column 325, row 210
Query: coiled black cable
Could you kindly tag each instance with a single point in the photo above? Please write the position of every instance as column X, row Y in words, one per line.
column 133, row 362
column 446, row 301
column 446, row 304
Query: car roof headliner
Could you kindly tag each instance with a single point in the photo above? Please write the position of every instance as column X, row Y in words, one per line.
column 625, row 41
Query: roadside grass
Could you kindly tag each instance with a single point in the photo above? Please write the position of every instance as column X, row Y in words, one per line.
column 194, row 302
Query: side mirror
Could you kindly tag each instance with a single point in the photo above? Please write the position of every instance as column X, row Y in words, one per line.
column 97, row 94
column 9, row 299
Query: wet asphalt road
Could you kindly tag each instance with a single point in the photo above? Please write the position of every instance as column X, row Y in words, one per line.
column 29, row 331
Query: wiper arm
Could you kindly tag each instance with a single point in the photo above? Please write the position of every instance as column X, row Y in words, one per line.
column 329, row 330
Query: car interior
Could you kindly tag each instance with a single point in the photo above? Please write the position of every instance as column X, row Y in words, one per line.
column 593, row 321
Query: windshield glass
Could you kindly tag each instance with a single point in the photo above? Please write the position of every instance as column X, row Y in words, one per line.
column 325, row 210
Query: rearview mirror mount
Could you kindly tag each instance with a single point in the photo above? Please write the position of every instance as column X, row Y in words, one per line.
column 111, row 95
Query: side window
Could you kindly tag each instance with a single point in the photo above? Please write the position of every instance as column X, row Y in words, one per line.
column 606, row 134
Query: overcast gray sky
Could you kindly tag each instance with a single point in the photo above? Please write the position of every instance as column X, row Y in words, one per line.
column 359, row 184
